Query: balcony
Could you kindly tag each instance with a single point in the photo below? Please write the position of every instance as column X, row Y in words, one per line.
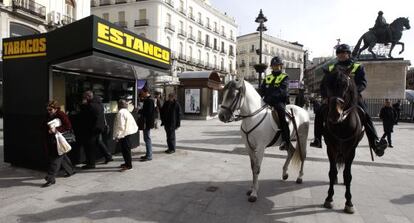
column 181, row 57
column 231, row 53
column 191, row 16
column 170, row 3
column 182, row 11
column 232, row 38
column 200, row 41
column 216, row 30
column 182, row 33
column 208, row 26
column 208, row 45
column 120, row 1
column 200, row 63
column 67, row 20
column 200, row 21
column 141, row 22
column 215, row 48
column 223, row 34
column 169, row 27
column 191, row 37
column 30, row 7
column 105, row 2
column 191, row 60
column 223, row 51
column 123, row 24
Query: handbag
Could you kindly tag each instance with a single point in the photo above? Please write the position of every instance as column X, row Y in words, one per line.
column 69, row 135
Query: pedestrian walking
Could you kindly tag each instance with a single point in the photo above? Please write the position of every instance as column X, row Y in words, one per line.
column 124, row 127
column 147, row 115
column 171, row 120
column 56, row 161
column 92, row 125
column 387, row 115
column 158, row 105
column 397, row 110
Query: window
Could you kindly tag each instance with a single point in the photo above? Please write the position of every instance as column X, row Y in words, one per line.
column 207, row 39
column 215, row 61
column 252, row 47
column 169, row 42
column 207, row 58
column 208, row 21
column 222, row 45
column 182, row 26
column 199, row 16
column 190, row 30
column 231, row 34
column 199, row 36
column 199, row 56
column 215, row 26
column 215, row 43
column 169, row 18
column 17, row 29
column 142, row 14
column 181, row 5
column 121, row 16
column 190, row 10
column 70, row 8
column 105, row 16
column 181, row 49
column 191, row 52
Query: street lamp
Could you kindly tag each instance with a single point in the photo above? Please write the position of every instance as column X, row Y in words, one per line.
column 260, row 68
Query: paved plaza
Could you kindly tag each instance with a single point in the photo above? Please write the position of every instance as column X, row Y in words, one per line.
column 206, row 181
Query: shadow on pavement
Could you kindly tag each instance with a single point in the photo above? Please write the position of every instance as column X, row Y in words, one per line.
column 187, row 202
column 223, row 133
column 406, row 199
column 215, row 141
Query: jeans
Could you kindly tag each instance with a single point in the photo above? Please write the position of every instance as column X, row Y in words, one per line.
column 148, row 143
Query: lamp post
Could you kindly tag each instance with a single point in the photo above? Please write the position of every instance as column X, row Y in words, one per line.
column 260, row 68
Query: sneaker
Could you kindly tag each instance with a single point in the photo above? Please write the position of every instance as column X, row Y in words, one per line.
column 48, row 183
column 144, row 159
column 169, row 151
column 125, row 168
column 316, row 143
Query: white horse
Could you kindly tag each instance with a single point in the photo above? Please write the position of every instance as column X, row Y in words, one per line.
column 258, row 128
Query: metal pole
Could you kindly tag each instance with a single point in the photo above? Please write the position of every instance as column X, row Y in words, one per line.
column 260, row 56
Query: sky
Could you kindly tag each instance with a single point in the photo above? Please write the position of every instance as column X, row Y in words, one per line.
column 317, row 24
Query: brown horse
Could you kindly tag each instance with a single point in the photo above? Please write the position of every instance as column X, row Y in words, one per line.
column 343, row 131
column 371, row 38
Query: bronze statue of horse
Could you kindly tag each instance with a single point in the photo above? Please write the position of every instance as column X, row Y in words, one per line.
column 372, row 37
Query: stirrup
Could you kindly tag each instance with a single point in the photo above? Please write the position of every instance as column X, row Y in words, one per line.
column 284, row 146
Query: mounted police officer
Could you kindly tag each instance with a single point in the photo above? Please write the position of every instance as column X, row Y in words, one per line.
column 274, row 91
column 344, row 62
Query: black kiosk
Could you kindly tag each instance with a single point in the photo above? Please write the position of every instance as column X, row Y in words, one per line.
column 90, row 54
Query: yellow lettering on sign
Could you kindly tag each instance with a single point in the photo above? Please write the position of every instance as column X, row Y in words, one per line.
column 35, row 45
column 29, row 46
column 116, row 36
column 5, row 48
column 103, row 31
column 128, row 40
column 157, row 52
column 22, row 47
column 138, row 45
column 16, row 47
column 166, row 55
column 42, row 44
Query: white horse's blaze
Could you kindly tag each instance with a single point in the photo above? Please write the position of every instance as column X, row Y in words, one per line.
column 263, row 134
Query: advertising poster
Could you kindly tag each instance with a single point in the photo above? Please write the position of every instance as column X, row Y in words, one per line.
column 215, row 101
column 192, row 101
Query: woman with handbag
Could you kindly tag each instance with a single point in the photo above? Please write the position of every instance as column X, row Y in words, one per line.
column 57, row 121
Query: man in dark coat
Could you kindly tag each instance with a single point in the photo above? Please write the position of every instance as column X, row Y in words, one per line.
column 357, row 73
column 397, row 110
column 388, row 118
column 148, row 116
column 275, row 92
column 92, row 124
column 171, row 120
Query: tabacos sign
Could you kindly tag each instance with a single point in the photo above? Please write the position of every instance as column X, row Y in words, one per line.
column 34, row 47
column 116, row 38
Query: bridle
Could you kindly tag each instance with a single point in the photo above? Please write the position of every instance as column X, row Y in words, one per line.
column 236, row 105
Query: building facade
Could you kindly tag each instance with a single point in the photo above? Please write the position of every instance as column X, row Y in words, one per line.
column 199, row 36
column 292, row 54
column 410, row 79
column 27, row 17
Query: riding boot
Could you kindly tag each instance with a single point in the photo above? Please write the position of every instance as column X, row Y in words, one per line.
column 285, row 130
column 318, row 128
column 377, row 145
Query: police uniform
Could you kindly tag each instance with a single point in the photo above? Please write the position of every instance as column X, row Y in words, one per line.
column 275, row 92
column 357, row 73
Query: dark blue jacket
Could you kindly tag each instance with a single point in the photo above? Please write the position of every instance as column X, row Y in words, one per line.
column 272, row 94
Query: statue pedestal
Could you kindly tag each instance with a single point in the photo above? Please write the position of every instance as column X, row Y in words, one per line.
column 386, row 78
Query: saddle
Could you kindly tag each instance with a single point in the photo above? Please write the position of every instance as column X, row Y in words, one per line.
column 275, row 125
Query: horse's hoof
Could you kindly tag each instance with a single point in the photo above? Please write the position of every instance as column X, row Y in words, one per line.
column 284, row 177
column 349, row 209
column 249, row 192
column 328, row 205
column 252, row 199
column 299, row 181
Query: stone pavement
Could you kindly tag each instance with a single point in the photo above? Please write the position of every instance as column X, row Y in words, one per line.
column 206, row 181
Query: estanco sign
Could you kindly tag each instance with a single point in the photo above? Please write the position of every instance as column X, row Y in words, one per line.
column 116, row 38
column 33, row 47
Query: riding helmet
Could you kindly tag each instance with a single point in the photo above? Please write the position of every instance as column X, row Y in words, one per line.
column 276, row 61
column 343, row 48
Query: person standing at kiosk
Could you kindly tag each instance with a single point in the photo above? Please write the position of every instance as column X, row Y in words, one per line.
column 92, row 121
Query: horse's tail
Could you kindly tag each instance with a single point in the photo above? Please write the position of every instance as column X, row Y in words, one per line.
column 300, row 152
column 357, row 46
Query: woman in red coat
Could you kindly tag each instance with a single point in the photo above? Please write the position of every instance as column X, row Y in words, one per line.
column 56, row 161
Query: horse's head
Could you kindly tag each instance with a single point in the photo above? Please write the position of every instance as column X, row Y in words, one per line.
column 232, row 99
column 401, row 23
column 342, row 95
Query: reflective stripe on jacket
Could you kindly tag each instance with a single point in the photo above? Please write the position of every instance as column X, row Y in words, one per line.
column 354, row 68
column 269, row 79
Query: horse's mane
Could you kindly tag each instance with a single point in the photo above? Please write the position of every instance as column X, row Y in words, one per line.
column 398, row 20
column 351, row 94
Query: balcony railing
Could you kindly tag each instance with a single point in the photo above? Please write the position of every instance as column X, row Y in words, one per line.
column 182, row 10
column 123, row 24
column 191, row 16
column 170, row 3
column 208, row 45
column 223, row 51
column 223, row 34
column 120, row 1
column 182, row 33
column 67, row 20
column 231, row 53
column 31, row 7
column 200, row 63
column 191, row 60
column 208, row 26
column 216, row 30
column 182, row 57
column 105, row 2
column 215, row 48
column 170, row 26
column 191, row 37
column 232, row 38
column 200, row 41
column 200, row 21
column 141, row 22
